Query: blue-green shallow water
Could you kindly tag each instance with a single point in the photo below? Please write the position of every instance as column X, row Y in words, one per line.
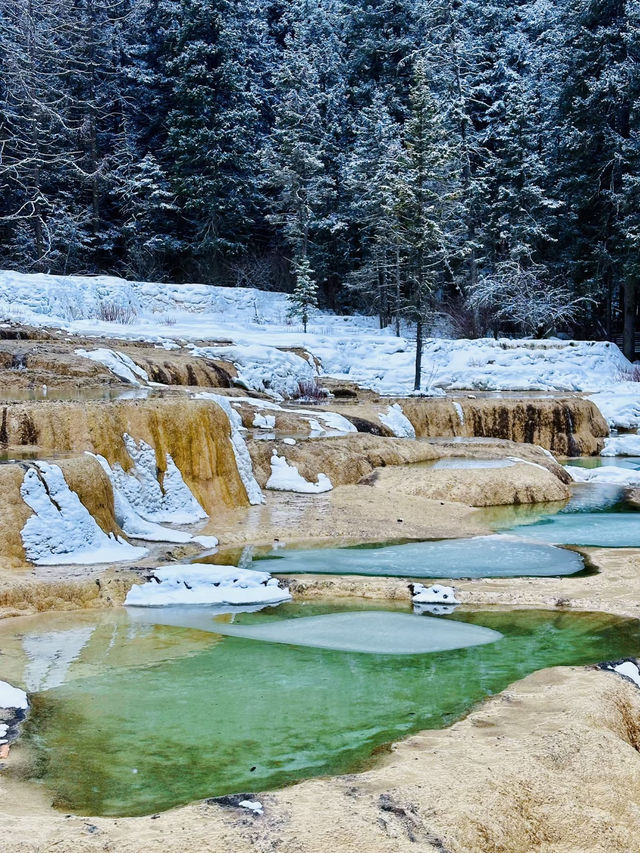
column 147, row 718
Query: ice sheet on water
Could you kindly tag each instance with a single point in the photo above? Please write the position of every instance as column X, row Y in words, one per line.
column 597, row 529
column 463, row 463
column 375, row 632
column 483, row 556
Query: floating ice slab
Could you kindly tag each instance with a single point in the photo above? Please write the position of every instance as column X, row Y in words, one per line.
column 483, row 556
column 375, row 632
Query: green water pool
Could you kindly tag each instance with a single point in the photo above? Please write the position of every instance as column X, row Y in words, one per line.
column 131, row 717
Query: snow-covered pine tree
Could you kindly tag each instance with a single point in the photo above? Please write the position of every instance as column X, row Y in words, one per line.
column 214, row 127
column 598, row 158
column 369, row 178
column 427, row 197
column 304, row 297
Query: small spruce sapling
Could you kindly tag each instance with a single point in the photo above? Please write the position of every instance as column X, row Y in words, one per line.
column 305, row 293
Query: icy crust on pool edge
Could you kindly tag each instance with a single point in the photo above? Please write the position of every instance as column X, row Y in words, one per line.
column 199, row 583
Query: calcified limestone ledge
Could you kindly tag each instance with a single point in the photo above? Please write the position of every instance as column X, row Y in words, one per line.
column 551, row 764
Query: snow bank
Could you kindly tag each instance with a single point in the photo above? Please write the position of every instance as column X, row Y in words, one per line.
column 264, row 421
column 396, row 420
column 609, row 474
column 240, row 451
column 621, row 445
column 118, row 363
column 352, row 348
column 322, row 423
column 286, row 478
column 264, row 368
column 620, row 404
column 62, row 530
column 12, row 697
column 206, row 584
column 435, row 594
column 170, row 502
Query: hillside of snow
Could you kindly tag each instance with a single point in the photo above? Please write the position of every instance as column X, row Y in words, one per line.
column 247, row 325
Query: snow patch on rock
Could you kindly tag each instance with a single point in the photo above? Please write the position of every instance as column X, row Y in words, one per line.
column 608, row 474
column 62, row 531
column 171, row 501
column 264, row 368
column 435, row 594
column 239, row 445
column 621, row 445
column 287, row 478
column 118, row 363
column 396, row 420
column 131, row 522
column 12, row 697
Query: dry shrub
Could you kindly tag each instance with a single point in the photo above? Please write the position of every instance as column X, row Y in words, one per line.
column 308, row 389
column 111, row 312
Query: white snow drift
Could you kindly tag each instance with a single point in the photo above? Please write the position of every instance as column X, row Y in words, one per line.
column 12, row 697
column 206, row 584
column 287, row 478
column 621, row 445
column 62, row 530
column 435, row 594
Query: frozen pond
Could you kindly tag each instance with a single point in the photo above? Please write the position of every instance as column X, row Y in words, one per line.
column 500, row 555
column 130, row 718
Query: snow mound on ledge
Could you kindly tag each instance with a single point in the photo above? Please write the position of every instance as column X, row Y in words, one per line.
column 396, row 420
column 264, row 368
column 12, row 697
column 608, row 474
column 435, row 594
column 287, row 478
column 206, row 584
column 62, row 530
column 621, row 445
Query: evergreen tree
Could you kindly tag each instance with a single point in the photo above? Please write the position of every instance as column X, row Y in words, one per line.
column 304, row 296
column 426, row 190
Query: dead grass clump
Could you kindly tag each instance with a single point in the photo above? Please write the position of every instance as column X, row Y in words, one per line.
column 629, row 720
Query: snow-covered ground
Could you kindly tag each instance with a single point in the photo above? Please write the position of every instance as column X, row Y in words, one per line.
column 250, row 324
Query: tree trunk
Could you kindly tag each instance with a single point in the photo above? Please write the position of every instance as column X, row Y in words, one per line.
column 418, row 375
column 628, row 332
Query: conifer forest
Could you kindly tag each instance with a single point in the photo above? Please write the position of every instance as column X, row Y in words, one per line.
column 472, row 164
